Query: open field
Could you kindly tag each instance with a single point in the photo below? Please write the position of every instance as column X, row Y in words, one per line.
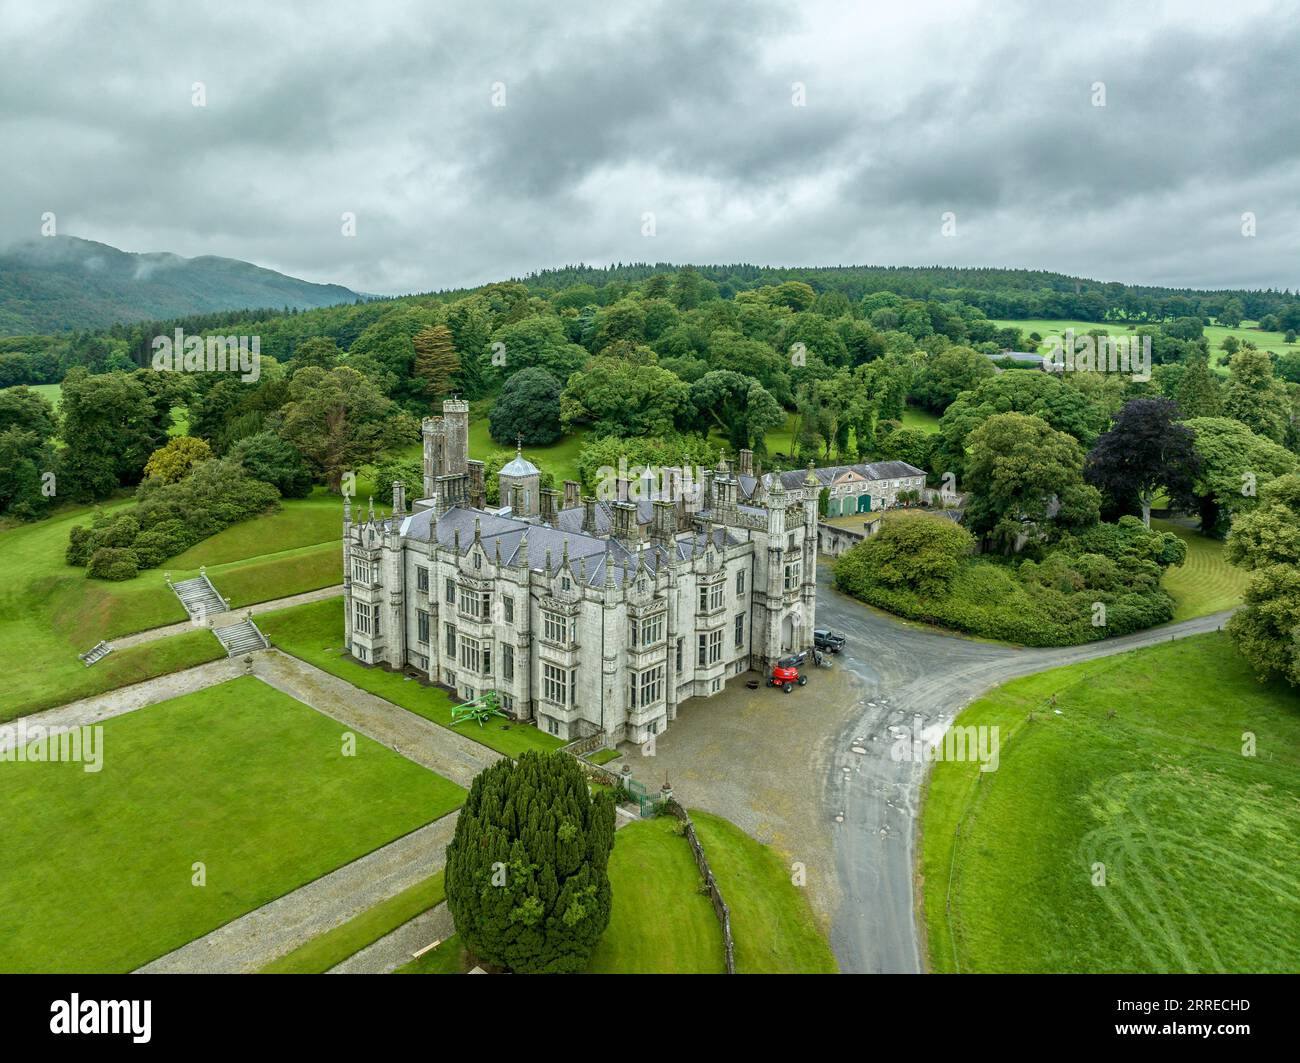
column 51, row 611
column 773, row 924
column 52, row 392
column 1205, row 583
column 1129, row 832
column 314, row 633
column 245, row 780
column 1214, row 334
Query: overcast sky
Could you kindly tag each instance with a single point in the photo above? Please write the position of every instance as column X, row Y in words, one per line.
column 684, row 111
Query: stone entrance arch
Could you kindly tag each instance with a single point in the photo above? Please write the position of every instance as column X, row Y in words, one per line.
column 788, row 629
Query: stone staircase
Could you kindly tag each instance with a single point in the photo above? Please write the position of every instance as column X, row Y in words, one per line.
column 241, row 638
column 199, row 597
column 96, row 653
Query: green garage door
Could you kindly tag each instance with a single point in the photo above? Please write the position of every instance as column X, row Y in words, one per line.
column 833, row 507
column 864, row 503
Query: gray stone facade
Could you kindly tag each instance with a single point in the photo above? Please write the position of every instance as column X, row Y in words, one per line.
column 596, row 616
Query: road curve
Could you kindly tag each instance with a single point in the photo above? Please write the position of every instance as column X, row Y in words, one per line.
column 909, row 673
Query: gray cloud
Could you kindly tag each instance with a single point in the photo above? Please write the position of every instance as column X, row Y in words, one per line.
column 683, row 110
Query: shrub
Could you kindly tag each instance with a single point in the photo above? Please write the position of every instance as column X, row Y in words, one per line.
column 112, row 563
column 81, row 541
column 267, row 457
column 170, row 518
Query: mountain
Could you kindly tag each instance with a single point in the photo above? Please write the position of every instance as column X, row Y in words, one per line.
column 61, row 282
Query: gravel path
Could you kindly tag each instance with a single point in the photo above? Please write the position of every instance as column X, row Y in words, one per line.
column 105, row 706
column 249, row 943
column 393, row 950
column 437, row 748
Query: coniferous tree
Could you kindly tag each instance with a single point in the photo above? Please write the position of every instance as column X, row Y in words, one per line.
column 526, row 877
column 436, row 360
column 1197, row 393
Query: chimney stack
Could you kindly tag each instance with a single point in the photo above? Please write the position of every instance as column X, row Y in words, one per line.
column 589, row 515
column 571, row 494
column 663, row 527
column 625, row 529
column 549, row 510
column 477, row 492
column 399, row 498
column 746, row 463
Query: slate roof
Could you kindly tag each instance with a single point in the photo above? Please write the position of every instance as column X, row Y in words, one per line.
column 794, row 478
column 597, row 551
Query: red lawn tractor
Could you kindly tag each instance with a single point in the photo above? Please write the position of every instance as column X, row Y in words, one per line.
column 785, row 673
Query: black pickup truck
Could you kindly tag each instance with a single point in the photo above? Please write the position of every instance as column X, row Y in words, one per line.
column 829, row 641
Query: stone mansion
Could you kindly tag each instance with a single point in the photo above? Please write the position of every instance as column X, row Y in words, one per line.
column 583, row 615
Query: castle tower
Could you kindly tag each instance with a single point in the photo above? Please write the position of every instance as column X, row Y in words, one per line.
column 455, row 416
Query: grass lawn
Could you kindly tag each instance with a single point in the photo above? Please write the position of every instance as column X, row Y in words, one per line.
column 246, row 780
column 1199, row 843
column 774, row 927
column 923, row 420
column 314, row 632
column 334, row 946
column 50, row 611
column 300, row 522
column 560, row 459
column 1205, row 583
column 661, row 922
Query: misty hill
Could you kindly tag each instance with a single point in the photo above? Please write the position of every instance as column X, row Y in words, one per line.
column 60, row 283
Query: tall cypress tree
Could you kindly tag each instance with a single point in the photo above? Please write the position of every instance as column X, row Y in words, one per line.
column 526, row 877
column 1197, row 393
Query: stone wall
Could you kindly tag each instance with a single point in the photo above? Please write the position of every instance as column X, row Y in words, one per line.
column 720, row 908
column 833, row 541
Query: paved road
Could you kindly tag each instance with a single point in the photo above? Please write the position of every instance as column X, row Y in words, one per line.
column 906, row 673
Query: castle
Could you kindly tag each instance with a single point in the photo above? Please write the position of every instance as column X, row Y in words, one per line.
column 583, row 615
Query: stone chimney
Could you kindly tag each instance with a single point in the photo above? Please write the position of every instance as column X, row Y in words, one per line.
column 571, row 494
column 589, row 515
column 516, row 499
column 663, row 526
column 550, row 505
column 399, row 498
column 746, row 463
column 625, row 529
column 477, row 491
column 622, row 489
